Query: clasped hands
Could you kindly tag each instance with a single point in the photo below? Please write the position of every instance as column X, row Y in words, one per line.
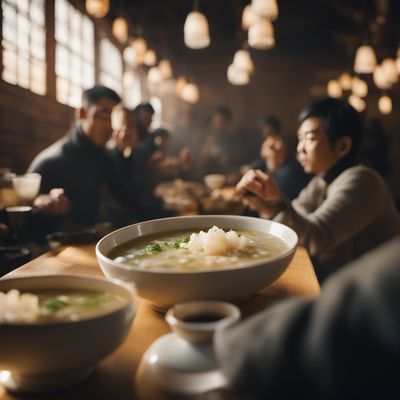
column 260, row 193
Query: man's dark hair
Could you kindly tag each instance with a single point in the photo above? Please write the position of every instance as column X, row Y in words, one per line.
column 271, row 120
column 339, row 119
column 145, row 106
column 92, row 95
column 224, row 111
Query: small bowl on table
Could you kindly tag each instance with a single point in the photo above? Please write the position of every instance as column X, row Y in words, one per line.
column 39, row 356
column 214, row 181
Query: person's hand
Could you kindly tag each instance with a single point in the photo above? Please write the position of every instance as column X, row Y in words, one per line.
column 54, row 203
column 260, row 184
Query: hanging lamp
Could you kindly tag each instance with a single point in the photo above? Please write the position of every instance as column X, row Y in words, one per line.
column 190, row 93
column 154, row 75
column 139, row 47
column 120, row 29
column 242, row 60
column 265, row 8
column 357, row 103
column 247, row 17
column 380, row 78
column 165, row 68
column 334, row 89
column 385, row 105
column 150, row 58
column 390, row 70
column 365, row 60
column 179, row 85
column 345, row 81
column 237, row 76
column 196, row 32
column 97, row 8
column 261, row 34
column 359, row 87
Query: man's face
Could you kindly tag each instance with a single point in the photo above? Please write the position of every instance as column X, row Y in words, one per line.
column 273, row 151
column 219, row 124
column 267, row 130
column 145, row 119
column 315, row 152
column 96, row 121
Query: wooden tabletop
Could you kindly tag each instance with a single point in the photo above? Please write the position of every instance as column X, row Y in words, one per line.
column 114, row 378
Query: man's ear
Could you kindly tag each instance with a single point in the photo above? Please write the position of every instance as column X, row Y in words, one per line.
column 344, row 145
column 80, row 113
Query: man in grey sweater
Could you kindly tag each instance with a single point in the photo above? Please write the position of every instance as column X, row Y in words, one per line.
column 346, row 209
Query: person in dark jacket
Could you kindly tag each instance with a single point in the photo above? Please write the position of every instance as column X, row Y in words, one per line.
column 79, row 164
column 344, row 344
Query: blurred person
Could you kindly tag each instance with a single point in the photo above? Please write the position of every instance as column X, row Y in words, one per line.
column 144, row 117
column 79, row 165
column 346, row 209
column 342, row 344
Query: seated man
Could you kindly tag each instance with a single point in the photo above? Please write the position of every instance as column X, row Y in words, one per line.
column 80, row 164
column 343, row 344
column 346, row 209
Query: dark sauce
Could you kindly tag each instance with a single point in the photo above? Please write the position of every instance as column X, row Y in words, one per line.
column 203, row 318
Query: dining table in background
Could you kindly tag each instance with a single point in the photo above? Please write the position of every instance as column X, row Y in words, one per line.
column 114, row 377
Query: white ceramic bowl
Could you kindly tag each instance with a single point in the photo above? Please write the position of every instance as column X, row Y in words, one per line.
column 49, row 356
column 214, row 181
column 166, row 288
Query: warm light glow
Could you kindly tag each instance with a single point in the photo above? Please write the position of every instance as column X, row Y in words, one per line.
column 150, row 58
column 265, row 8
column 398, row 64
column 357, row 103
column 180, row 84
column 365, row 60
column 385, row 105
column 345, row 81
column 390, row 70
column 196, row 32
column 334, row 89
column 380, row 78
column 261, row 34
column 154, row 75
column 247, row 17
column 120, row 29
column 243, row 61
column 237, row 76
column 97, row 8
column 359, row 87
column 139, row 47
column 165, row 69
column 190, row 93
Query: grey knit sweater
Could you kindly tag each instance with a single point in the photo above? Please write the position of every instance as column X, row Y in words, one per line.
column 340, row 221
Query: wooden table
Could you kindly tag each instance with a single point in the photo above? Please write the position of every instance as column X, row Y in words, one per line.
column 114, row 376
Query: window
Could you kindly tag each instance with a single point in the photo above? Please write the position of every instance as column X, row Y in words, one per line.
column 23, row 44
column 132, row 94
column 110, row 66
column 74, row 34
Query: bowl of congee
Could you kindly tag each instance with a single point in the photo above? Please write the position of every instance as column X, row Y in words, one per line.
column 55, row 329
column 213, row 257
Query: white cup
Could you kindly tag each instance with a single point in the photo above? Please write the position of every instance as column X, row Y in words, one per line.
column 27, row 187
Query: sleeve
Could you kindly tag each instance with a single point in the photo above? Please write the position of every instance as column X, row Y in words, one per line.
column 351, row 205
column 342, row 345
column 47, row 168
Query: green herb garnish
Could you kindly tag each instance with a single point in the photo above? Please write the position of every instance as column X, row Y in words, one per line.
column 184, row 240
column 55, row 304
column 152, row 247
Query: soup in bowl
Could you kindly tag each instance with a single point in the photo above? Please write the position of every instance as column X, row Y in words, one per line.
column 207, row 257
column 54, row 329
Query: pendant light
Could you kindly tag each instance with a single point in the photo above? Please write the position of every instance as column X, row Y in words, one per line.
column 237, row 76
column 165, row 68
column 359, row 87
column 385, row 105
column 139, row 47
column 357, row 103
column 261, row 34
column 247, row 17
column 345, row 81
column 190, row 93
column 120, row 29
column 380, row 78
column 334, row 89
column 365, row 60
column 154, row 75
column 265, row 8
column 150, row 58
column 390, row 70
column 179, row 85
column 97, row 8
column 196, row 32
column 242, row 60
